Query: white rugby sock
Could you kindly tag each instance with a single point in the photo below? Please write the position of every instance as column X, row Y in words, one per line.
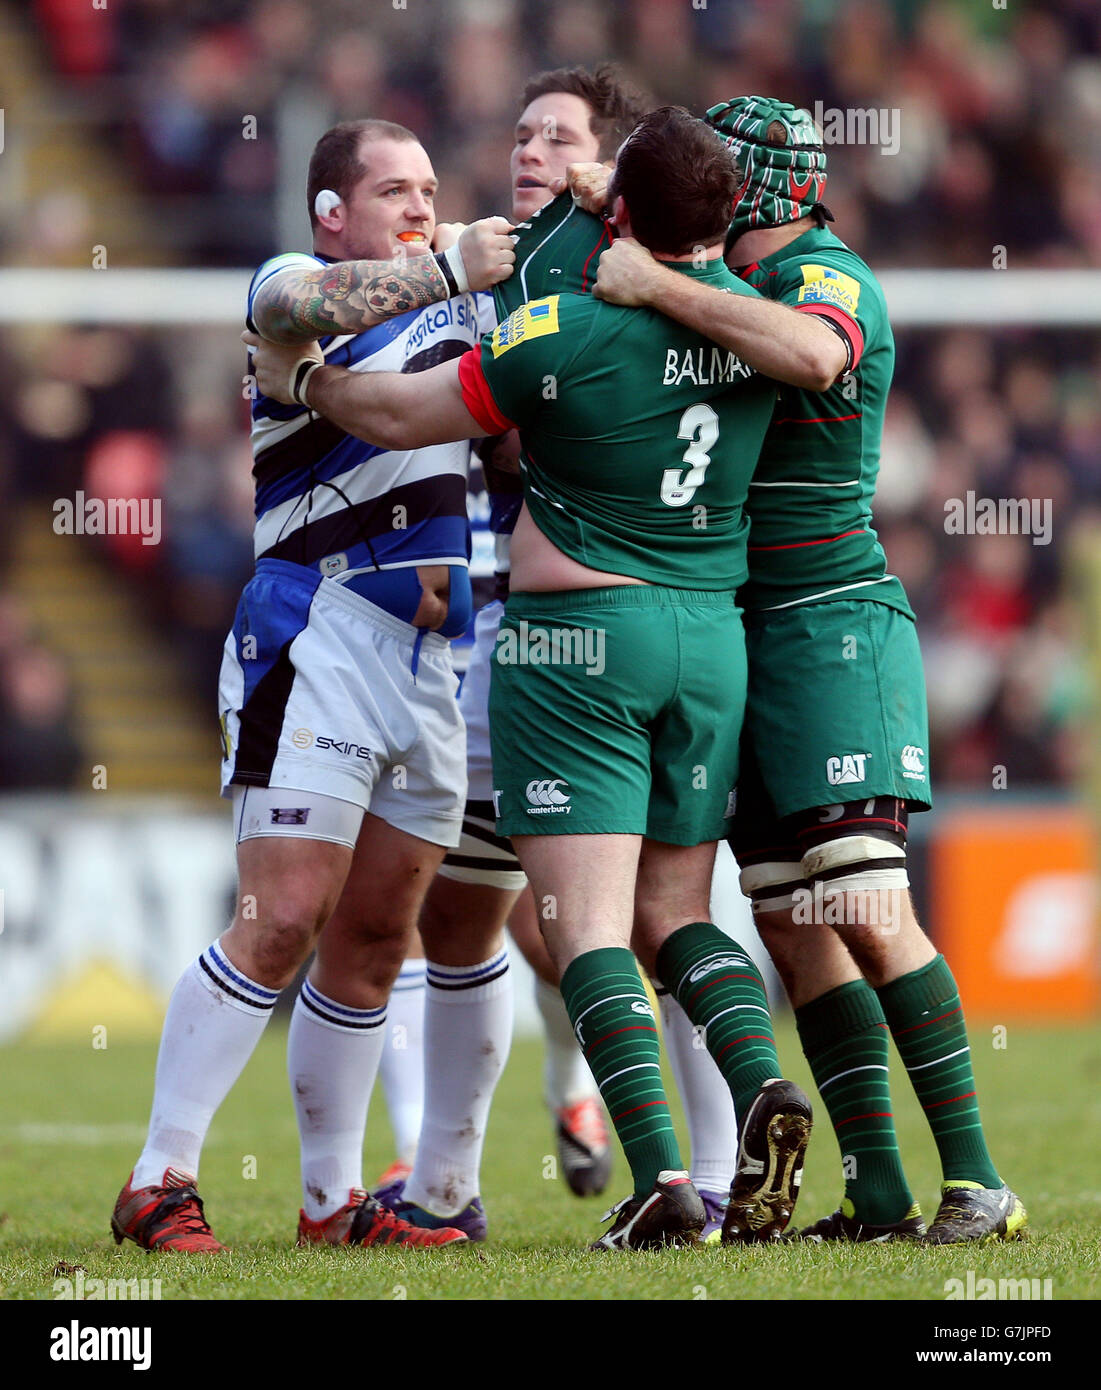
column 467, row 1035
column 333, row 1053
column 708, row 1107
column 402, row 1067
column 566, row 1075
column 214, row 1021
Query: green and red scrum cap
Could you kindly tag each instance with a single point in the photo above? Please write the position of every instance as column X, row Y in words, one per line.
column 778, row 153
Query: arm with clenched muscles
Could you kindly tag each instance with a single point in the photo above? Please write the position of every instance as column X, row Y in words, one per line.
column 394, row 410
column 787, row 344
column 299, row 305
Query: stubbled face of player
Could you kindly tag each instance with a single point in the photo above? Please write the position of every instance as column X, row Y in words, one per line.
column 552, row 132
column 392, row 208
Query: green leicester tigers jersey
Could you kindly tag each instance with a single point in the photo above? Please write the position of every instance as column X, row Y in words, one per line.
column 557, row 252
column 811, row 536
column 639, row 437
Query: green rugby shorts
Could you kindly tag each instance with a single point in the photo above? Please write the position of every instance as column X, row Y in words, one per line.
column 617, row 711
column 836, row 708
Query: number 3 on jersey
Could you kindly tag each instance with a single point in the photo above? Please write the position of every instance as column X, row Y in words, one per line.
column 700, row 424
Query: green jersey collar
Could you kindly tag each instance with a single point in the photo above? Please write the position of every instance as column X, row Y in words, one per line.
column 716, row 269
column 812, row 240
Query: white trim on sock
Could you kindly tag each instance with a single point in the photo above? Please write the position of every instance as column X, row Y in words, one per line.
column 333, row 1053
column 204, row 1048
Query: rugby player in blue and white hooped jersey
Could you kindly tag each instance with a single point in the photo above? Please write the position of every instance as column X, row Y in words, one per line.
column 344, row 750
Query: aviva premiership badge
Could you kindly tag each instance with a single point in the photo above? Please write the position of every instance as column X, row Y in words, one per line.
column 532, row 320
column 824, row 285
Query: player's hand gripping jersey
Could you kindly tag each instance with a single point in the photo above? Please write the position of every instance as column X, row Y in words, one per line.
column 557, row 250
column 811, row 535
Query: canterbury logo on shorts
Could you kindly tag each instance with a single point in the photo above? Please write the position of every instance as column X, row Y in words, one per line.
column 545, row 794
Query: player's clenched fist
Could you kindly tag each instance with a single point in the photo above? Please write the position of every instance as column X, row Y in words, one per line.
column 281, row 370
column 588, row 185
column 487, row 252
column 625, row 273
column 446, row 235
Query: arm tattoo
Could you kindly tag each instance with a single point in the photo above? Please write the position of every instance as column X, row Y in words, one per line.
column 347, row 297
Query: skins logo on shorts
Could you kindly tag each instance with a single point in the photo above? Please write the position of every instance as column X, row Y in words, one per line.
column 709, row 966
column 290, row 815
column 533, row 320
column 545, row 798
column 849, row 767
column 913, row 762
column 325, row 743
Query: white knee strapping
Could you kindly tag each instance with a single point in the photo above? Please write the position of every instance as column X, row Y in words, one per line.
column 756, row 880
column 857, row 862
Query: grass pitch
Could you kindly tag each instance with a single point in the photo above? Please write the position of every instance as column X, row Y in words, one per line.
column 73, row 1121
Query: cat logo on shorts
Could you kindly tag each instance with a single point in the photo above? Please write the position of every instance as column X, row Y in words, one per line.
column 545, row 798
column 848, row 768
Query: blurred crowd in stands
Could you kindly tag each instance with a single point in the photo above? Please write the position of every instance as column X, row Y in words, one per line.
column 999, row 144
column 1000, row 107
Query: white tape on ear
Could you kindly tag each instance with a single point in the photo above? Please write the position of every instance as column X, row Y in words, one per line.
column 325, row 201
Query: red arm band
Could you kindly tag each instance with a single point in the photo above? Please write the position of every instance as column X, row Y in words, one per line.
column 845, row 322
column 477, row 396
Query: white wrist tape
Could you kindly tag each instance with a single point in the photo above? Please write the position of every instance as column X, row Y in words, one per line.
column 454, row 258
column 300, row 375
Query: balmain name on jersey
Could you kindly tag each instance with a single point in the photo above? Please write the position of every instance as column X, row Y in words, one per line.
column 702, row 366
